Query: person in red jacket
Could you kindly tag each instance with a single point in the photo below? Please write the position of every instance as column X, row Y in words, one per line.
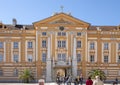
column 89, row 81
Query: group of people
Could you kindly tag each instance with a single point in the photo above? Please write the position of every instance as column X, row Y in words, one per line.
column 78, row 80
column 97, row 81
column 68, row 80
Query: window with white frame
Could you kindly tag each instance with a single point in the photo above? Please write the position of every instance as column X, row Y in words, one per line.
column 106, row 46
column 78, row 57
column 15, row 44
column 61, row 33
column 30, row 44
column 1, row 57
column 92, row 45
column 118, row 59
column 30, row 58
column 61, row 57
column 78, row 33
column 92, row 58
column 1, row 44
column 118, row 46
column 78, row 44
column 44, row 56
column 15, row 72
column 44, row 33
column 1, row 72
column 44, row 44
column 15, row 58
column 106, row 59
column 61, row 43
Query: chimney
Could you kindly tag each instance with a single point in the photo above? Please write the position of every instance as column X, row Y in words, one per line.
column 14, row 21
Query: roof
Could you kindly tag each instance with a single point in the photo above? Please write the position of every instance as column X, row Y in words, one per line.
column 103, row 28
column 19, row 27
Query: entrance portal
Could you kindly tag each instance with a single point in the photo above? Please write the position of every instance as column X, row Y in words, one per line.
column 61, row 72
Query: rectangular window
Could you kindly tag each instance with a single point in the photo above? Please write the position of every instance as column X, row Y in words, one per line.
column 63, row 44
column 105, row 46
column 92, row 58
column 59, row 44
column 78, row 44
column 30, row 45
column 43, row 33
column 1, row 44
column 1, row 72
column 44, row 56
column 63, row 57
column 30, row 58
column 1, row 58
column 59, row 57
column 105, row 59
column 15, row 44
column 59, row 33
column 15, row 72
column 44, row 44
column 118, row 46
column 78, row 57
column 15, row 58
column 119, row 59
column 78, row 33
column 92, row 46
column 63, row 33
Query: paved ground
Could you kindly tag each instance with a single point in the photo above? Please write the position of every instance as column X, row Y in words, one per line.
column 37, row 84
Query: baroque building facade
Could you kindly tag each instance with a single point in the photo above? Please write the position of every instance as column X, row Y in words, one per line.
column 58, row 44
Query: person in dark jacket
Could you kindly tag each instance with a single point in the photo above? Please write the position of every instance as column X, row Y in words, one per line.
column 89, row 81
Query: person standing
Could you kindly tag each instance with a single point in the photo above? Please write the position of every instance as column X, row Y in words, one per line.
column 81, row 79
column 89, row 81
column 97, row 81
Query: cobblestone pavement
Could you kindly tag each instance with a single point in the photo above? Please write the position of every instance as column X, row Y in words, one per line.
column 38, row 84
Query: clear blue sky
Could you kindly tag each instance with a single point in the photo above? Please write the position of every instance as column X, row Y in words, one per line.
column 96, row 12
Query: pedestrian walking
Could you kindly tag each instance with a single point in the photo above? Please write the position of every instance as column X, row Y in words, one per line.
column 89, row 81
column 97, row 81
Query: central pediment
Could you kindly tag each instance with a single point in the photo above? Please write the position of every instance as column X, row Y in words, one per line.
column 62, row 19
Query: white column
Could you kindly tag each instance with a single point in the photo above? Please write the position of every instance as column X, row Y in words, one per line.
column 74, row 61
column 48, row 67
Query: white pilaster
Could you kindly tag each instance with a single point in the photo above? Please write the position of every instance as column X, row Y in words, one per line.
column 74, row 61
column 48, row 67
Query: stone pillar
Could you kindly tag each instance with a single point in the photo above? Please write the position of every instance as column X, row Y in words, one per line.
column 74, row 60
column 48, row 63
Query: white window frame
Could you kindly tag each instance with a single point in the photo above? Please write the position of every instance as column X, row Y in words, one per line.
column 106, row 58
column 44, row 57
column 92, row 45
column 78, row 57
column 30, row 58
column 15, row 44
column 106, row 46
column 79, row 44
column 44, row 33
column 44, row 43
column 1, row 45
column 16, row 58
column 30, row 44
column 79, row 33
column 1, row 58
column 92, row 58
